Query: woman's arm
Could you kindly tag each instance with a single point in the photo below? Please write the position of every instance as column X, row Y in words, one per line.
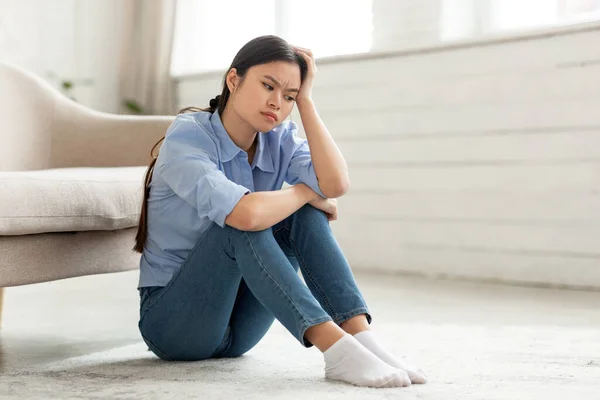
column 261, row 210
column 329, row 163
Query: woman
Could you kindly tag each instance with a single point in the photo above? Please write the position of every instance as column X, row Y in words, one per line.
column 221, row 242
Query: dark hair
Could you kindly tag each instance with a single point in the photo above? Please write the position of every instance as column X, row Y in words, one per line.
column 261, row 50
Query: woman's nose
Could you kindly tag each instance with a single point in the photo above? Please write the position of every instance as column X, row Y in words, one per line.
column 275, row 102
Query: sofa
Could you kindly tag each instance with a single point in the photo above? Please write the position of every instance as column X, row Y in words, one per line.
column 71, row 183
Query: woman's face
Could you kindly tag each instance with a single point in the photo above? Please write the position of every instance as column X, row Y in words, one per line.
column 266, row 95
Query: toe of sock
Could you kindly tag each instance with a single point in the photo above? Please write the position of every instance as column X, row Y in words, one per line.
column 398, row 379
column 405, row 381
column 418, row 376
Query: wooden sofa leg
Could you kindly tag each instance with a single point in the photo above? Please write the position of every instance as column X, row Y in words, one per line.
column 1, row 298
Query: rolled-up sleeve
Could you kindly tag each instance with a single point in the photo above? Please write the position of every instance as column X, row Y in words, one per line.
column 301, row 169
column 192, row 173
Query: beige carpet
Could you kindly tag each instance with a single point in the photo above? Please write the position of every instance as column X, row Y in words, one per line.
column 77, row 339
column 463, row 362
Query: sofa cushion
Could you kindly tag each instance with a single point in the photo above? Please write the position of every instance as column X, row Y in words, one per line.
column 70, row 199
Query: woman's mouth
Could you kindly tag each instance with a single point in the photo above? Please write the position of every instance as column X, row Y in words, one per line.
column 271, row 117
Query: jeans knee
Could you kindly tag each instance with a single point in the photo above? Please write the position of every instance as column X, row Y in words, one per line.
column 308, row 212
column 255, row 235
column 216, row 236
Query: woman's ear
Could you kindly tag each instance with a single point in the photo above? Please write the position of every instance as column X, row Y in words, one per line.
column 232, row 79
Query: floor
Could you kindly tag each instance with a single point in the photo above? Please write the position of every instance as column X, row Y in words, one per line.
column 78, row 338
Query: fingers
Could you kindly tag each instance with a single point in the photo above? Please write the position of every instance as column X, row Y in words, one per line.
column 333, row 215
column 306, row 57
column 303, row 50
column 305, row 53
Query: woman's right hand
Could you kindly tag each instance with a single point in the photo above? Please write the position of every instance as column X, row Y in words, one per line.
column 328, row 206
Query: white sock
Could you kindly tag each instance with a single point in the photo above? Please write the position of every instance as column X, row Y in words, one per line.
column 368, row 339
column 349, row 361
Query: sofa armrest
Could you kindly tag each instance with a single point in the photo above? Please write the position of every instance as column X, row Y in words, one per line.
column 95, row 139
column 40, row 128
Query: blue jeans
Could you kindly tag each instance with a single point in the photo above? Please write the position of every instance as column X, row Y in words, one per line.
column 234, row 283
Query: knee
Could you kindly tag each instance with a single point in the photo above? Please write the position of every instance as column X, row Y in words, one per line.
column 265, row 234
column 229, row 235
column 217, row 236
column 310, row 213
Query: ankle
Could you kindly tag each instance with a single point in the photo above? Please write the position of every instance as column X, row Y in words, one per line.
column 356, row 325
column 324, row 335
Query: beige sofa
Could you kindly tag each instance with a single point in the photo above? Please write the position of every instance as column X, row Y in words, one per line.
column 71, row 182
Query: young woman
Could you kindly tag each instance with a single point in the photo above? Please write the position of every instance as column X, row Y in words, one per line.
column 222, row 242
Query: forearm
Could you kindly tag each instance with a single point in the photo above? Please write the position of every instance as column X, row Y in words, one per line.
column 328, row 161
column 262, row 210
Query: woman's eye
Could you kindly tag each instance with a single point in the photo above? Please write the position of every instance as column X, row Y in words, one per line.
column 269, row 87
column 289, row 98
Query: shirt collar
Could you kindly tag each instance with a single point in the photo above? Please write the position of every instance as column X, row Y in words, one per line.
column 228, row 148
column 262, row 157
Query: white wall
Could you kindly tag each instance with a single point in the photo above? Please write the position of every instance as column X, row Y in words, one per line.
column 38, row 35
column 480, row 160
column 401, row 24
column 69, row 38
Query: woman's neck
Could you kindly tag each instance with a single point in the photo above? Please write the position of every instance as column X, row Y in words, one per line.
column 238, row 130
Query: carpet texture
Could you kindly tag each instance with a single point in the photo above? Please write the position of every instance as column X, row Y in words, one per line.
column 462, row 362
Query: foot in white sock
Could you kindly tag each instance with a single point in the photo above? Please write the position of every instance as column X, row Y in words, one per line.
column 349, row 361
column 368, row 339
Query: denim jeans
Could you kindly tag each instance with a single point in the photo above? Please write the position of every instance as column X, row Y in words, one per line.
column 234, row 283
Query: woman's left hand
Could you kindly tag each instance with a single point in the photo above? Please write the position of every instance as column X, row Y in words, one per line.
column 306, row 87
column 328, row 206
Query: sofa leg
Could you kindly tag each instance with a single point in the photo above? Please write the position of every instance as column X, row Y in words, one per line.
column 1, row 298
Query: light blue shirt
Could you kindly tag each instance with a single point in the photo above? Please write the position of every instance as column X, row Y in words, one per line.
column 199, row 177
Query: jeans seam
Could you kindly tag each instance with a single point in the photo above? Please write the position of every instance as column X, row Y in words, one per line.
column 242, row 292
column 264, row 271
column 328, row 306
column 278, row 230
column 228, row 333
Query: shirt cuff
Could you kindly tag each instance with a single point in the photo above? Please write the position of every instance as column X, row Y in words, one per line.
column 223, row 202
column 310, row 179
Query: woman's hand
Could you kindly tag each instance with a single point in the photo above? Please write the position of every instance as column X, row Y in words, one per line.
column 328, row 206
column 307, row 84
